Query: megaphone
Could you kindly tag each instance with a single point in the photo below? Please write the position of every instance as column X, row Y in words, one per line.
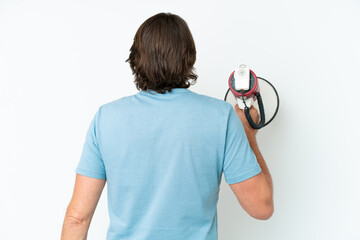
column 248, row 89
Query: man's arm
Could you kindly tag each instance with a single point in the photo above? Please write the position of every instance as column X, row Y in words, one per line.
column 251, row 136
column 261, row 161
column 255, row 194
column 86, row 194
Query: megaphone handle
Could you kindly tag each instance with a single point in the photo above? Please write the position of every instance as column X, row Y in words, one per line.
column 262, row 113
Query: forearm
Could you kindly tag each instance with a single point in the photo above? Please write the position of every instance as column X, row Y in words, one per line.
column 74, row 229
column 261, row 161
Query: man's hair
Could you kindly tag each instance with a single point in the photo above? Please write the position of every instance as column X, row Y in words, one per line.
column 163, row 54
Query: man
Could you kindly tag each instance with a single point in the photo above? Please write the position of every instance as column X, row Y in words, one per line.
column 163, row 150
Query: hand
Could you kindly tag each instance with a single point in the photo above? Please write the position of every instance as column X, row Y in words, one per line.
column 250, row 132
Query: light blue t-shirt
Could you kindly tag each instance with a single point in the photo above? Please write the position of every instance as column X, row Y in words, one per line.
column 163, row 156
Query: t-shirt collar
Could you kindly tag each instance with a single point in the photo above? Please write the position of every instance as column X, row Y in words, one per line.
column 173, row 91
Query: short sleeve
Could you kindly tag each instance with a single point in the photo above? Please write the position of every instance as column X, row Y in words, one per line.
column 91, row 163
column 240, row 162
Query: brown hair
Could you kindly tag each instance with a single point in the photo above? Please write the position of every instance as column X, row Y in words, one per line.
column 163, row 54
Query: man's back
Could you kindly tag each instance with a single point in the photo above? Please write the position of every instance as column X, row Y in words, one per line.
column 163, row 156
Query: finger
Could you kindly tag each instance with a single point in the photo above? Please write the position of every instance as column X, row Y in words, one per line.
column 237, row 108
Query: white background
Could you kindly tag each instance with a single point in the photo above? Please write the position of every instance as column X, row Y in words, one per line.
column 61, row 60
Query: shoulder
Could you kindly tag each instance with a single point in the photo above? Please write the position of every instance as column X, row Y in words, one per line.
column 116, row 104
column 196, row 100
column 209, row 102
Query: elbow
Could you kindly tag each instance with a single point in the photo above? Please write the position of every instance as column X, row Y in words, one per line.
column 75, row 218
column 72, row 220
column 264, row 213
column 74, row 228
